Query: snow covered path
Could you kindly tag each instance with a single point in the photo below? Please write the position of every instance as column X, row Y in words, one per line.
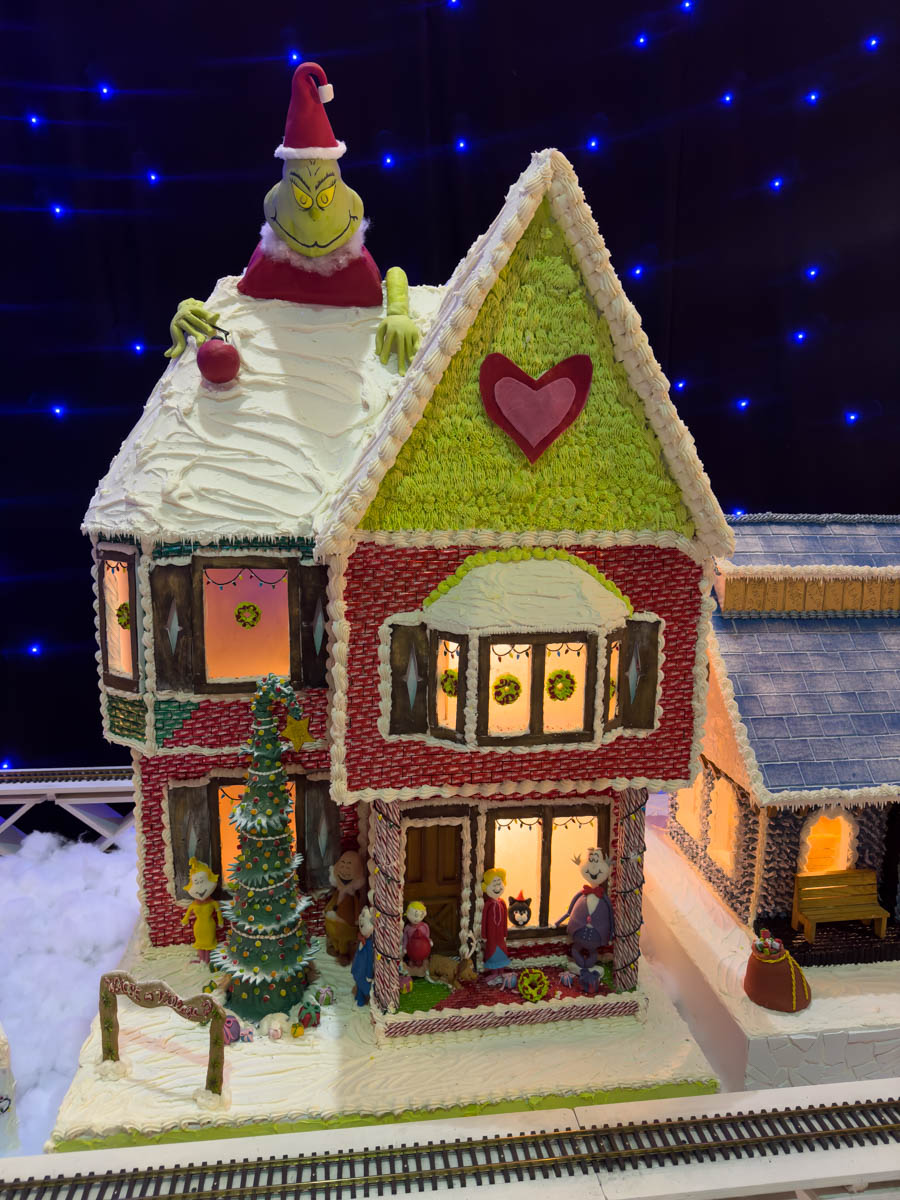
column 66, row 914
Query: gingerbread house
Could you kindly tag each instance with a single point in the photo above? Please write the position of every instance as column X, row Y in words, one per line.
column 794, row 817
column 488, row 581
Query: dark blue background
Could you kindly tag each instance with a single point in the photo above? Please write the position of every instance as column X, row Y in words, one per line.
column 679, row 185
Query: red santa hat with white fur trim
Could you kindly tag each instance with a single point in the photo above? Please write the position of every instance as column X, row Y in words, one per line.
column 307, row 131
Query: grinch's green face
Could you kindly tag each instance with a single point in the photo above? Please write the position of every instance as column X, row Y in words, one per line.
column 312, row 209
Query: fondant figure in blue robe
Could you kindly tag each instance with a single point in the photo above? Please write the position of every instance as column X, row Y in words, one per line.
column 363, row 966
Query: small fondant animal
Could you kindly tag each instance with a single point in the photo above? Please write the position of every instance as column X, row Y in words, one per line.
column 452, row 971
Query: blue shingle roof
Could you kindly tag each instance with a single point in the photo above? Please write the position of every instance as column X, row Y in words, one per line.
column 820, row 698
column 806, row 544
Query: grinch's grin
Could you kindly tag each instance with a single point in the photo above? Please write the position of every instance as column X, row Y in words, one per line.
column 314, row 245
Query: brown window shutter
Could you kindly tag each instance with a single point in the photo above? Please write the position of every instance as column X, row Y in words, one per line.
column 171, row 593
column 409, row 679
column 314, row 624
column 194, row 826
column 638, row 674
column 318, row 832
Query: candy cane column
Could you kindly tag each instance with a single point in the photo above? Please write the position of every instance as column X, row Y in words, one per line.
column 629, row 889
column 387, row 895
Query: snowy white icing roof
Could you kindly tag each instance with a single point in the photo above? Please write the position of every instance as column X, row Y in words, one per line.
column 266, row 456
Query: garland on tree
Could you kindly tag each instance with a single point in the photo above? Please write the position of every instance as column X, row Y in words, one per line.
column 267, row 951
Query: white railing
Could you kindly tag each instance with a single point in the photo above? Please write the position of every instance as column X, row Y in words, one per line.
column 86, row 793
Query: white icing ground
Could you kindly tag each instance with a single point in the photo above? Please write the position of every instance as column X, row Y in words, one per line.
column 338, row 1068
column 539, row 594
column 264, row 456
column 851, row 1028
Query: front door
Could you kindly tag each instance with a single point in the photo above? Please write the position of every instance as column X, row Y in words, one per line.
column 434, row 877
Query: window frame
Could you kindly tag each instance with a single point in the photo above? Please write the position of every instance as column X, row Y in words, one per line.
column 199, row 563
column 547, row 814
column 435, row 637
column 120, row 682
column 536, row 735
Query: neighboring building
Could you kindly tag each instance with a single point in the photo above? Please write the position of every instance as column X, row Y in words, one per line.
column 801, row 756
column 499, row 656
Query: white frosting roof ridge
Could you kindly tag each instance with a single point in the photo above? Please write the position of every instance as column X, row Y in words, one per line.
column 550, row 174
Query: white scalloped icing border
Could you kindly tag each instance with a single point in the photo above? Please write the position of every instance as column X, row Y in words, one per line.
column 550, row 174
column 885, row 793
column 442, row 539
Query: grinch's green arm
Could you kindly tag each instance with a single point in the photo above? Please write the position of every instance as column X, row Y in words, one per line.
column 190, row 320
column 397, row 331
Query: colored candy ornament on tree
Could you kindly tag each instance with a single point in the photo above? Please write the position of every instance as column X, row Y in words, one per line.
column 267, row 952
column 218, row 360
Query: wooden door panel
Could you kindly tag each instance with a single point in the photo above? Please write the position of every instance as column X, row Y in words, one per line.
column 434, row 877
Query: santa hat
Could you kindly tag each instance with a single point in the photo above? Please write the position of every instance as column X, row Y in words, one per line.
column 307, row 131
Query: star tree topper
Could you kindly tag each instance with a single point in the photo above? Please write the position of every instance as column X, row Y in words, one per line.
column 297, row 731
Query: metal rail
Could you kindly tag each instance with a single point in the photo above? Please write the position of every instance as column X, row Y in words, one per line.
column 84, row 792
column 395, row 1170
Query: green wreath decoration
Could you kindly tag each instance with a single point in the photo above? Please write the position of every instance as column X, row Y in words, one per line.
column 506, row 690
column 247, row 614
column 533, row 984
column 123, row 614
column 561, row 684
column 450, row 681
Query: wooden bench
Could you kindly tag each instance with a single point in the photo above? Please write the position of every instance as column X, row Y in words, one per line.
column 837, row 896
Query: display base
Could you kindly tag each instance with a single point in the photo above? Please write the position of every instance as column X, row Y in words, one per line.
column 850, row 1031
column 339, row 1075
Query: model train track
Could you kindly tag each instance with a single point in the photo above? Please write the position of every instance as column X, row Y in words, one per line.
column 394, row 1170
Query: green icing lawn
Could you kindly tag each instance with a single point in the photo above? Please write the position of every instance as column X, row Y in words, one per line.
column 424, row 996
column 458, row 470
column 622, row 1095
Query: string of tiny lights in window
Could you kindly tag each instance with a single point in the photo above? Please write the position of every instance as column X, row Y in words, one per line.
column 451, row 649
column 115, row 565
column 233, row 582
column 565, row 648
column 518, row 651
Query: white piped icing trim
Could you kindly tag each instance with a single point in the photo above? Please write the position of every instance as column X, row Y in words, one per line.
column 509, row 787
column 338, row 657
column 290, row 152
column 141, row 846
column 507, row 539
column 783, row 571
column 552, row 175
column 325, row 264
column 885, row 793
column 701, row 664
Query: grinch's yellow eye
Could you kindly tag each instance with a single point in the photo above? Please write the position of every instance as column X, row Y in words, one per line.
column 325, row 198
column 302, row 198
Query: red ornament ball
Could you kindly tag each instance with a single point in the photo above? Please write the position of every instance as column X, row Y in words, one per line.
column 218, row 361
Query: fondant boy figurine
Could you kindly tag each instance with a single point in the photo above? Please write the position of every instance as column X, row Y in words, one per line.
column 589, row 916
column 416, row 938
column 348, row 877
column 363, row 966
column 205, row 911
column 311, row 248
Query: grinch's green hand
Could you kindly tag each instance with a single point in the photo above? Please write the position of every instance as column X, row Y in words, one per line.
column 191, row 320
column 397, row 331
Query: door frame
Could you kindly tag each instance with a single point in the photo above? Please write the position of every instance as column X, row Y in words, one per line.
column 463, row 820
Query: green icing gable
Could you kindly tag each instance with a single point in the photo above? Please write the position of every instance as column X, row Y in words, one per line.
column 458, row 470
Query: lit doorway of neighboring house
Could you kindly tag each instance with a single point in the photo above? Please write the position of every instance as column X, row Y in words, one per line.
column 434, row 877
column 827, row 842
column 890, row 874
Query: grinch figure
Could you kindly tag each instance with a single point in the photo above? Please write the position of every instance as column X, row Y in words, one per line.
column 311, row 249
column 205, row 911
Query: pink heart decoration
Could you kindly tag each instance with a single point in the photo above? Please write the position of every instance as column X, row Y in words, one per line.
column 534, row 412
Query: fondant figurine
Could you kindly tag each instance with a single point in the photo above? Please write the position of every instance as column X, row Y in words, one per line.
column 520, row 911
column 589, row 917
column 311, row 247
column 205, row 911
column 363, row 966
column 493, row 928
column 348, row 877
column 416, row 939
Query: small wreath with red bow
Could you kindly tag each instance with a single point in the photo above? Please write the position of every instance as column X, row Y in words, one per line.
column 123, row 614
column 561, row 684
column 450, row 681
column 506, row 690
column 247, row 614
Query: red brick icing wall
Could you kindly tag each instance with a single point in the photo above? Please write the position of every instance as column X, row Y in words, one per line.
column 164, row 915
column 382, row 580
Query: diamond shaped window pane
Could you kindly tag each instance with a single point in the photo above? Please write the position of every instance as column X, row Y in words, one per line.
column 318, row 627
column 172, row 626
column 412, row 677
column 634, row 673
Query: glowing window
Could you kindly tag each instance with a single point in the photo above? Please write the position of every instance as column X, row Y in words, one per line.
column 447, row 682
column 246, row 622
column 570, row 836
column 517, row 848
column 228, row 795
column 116, row 590
column 565, row 692
column 690, row 806
column 509, row 689
column 723, row 824
column 827, row 843
column 612, row 698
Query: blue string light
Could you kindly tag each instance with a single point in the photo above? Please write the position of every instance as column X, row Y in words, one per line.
column 686, row 5
column 726, row 98
column 812, row 271
column 636, row 271
column 738, row 512
column 461, row 145
column 138, row 347
column 293, row 56
column 776, row 183
column 105, row 90
column 799, row 335
column 5, row 765
column 453, row 3
column 680, row 385
column 743, row 404
column 641, row 40
column 57, row 210
column 872, row 43
column 851, row 417
column 593, row 143
column 387, row 160
column 811, row 97
column 34, row 648
column 153, row 177
column 34, row 120
column 58, row 410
